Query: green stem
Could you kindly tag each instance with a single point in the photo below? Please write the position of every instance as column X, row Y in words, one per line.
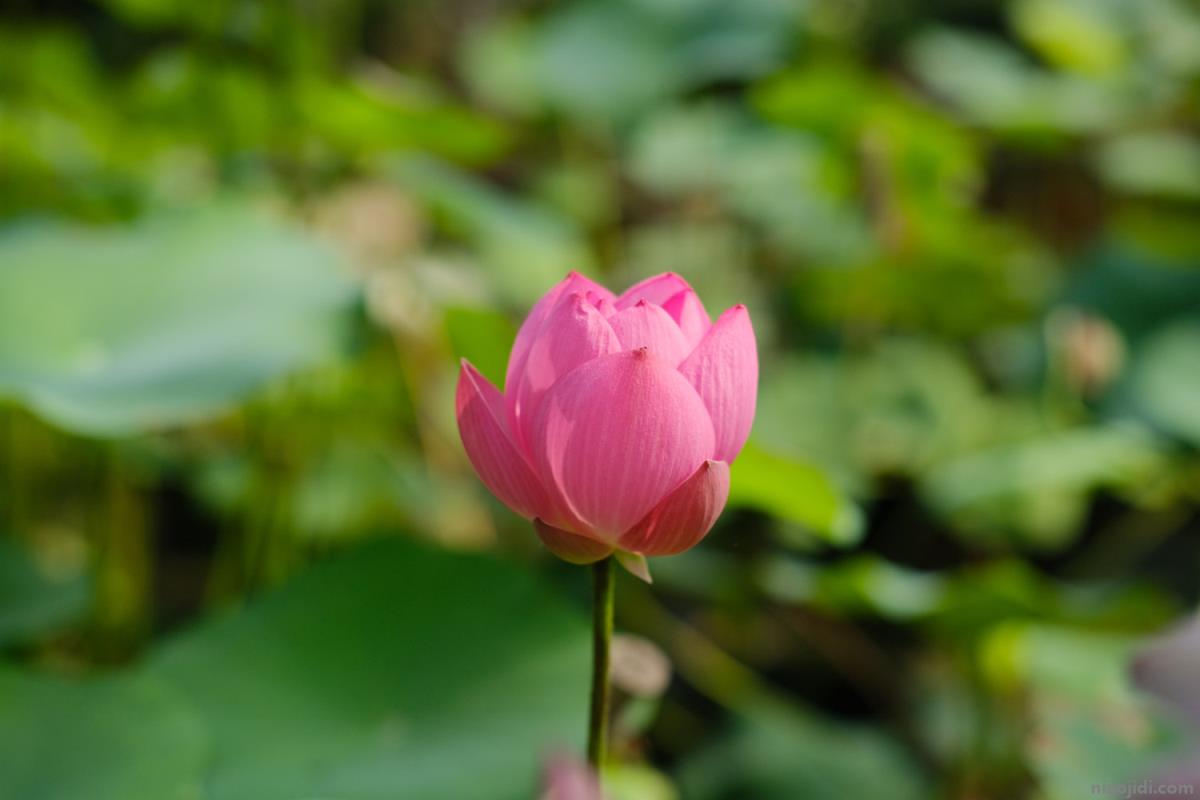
column 602, row 627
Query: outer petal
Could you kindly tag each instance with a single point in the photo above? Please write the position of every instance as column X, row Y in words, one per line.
column 616, row 435
column 573, row 332
column 646, row 325
column 684, row 517
column 657, row 290
column 689, row 314
column 724, row 370
column 503, row 469
column 574, row 282
column 570, row 546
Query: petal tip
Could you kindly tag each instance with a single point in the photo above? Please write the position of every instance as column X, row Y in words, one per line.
column 635, row 564
column 472, row 374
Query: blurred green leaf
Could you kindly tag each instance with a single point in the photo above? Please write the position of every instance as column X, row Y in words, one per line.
column 785, row 181
column 113, row 738
column 496, row 60
column 34, row 599
column 901, row 406
column 1078, row 459
column 526, row 246
column 342, row 493
column 916, row 159
column 608, row 62
column 1089, row 726
column 1171, row 32
column 1166, row 380
column 794, row 491
column 859, row 585
column 775, row 752
column 1081, row 35
column 996, row 86
column 390, row 115
column 600, row 62
column 396, row 671
column 1157, row 163
column 831, row 98
column 482, row 337
column 161, row 323
column 979, row 597
column 582, row 189
column 718, row 41
column 1040, row 486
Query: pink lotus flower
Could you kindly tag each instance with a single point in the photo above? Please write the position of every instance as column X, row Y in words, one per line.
column 619, row 417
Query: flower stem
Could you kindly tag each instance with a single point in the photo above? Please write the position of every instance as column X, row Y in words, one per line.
column 602, row 627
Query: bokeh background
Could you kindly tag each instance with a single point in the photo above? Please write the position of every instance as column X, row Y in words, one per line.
column 243, row 245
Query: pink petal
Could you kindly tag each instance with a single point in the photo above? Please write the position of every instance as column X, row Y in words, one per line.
column 657, row 290
column 603, row 303
column 574, row 282
column 482, row 424
column 684, row 516
column 573, row 332
column 646, row 325
column 689, row 314
column 724, row 370
column 570, row 546
column 616, row 435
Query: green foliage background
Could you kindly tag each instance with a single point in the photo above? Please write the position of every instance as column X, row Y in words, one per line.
column 243, row 244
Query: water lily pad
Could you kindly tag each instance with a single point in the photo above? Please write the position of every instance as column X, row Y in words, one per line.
column 396, row 672
column 112, row 738
column 118, row 330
